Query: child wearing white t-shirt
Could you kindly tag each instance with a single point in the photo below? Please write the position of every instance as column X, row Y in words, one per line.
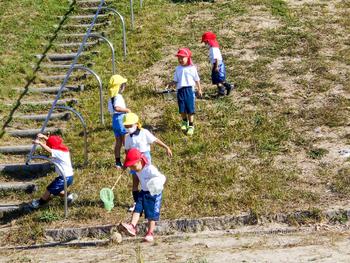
column 186, row 79
column 218, row 73
column 140, row 139
column 63, row 167
column 117, row 108
column 147, row 202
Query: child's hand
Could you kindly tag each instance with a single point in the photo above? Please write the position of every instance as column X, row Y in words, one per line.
column 36, row 141
column 41, row 136
column 200, row 94
column 169, row 152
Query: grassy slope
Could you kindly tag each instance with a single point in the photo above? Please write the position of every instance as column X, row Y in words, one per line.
column 254, row 151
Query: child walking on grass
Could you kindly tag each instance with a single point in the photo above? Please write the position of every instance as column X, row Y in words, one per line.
column 63, row 167
column 218, row 73
column 146, row 201
column 186, row 79
column 117, row 108
column 140, row 139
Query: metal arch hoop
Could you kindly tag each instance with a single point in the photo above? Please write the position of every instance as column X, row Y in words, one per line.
column 110, row 45
column 84, row 126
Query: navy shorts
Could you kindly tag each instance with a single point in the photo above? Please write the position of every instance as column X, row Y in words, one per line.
column 57, row 185
column 186, row 100
column 149, row 204
column 117, row 124
column 219, row 76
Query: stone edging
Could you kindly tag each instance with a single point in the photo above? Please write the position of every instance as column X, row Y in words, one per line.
column 168, row 227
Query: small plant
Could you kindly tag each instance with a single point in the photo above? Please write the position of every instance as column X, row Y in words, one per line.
column 48, row 216
column 317, row 153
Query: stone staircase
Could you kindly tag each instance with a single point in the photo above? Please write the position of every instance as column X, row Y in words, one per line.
column 36, row 100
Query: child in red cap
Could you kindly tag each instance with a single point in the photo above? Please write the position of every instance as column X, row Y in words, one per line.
column 186, row 79
column 150, row 197
column 63, row 166
column 218, row 73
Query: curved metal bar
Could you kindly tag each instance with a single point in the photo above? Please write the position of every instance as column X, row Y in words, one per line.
column 64, row 82
column 123, row 26
column 64, row 179
column 141, row 3
column 110, row 45
column 101, row 92
column 84, row 126
column 132, row 13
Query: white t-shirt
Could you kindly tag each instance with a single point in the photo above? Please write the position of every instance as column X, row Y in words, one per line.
column 118, row 101
column 185, row 76
column 142, row 141
column 147, row 173
column 63, row 161
column 215, row 53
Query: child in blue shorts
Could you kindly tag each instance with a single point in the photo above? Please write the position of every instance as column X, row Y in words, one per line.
column 117, row 108
column 146, row 202
column 218, row 73
column 63, row 166
column 185, row 79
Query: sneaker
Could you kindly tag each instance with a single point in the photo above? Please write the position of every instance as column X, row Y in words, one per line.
column 118, row 165
column 184, row 125
column 149, row 237
column 190, row 130
column 72, row 197
column 35, row 204
column 132, row 208
column 229, row 88
column 129, row 229
column 221, row 91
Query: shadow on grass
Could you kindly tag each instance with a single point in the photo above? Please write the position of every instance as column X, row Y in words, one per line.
column 36, row 69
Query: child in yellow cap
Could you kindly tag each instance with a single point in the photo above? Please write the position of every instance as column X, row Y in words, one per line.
column 117, row 108
column 141, row 139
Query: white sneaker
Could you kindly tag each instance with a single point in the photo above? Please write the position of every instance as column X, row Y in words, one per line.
column 72, row 197
column 35, row 204
column 132, row 208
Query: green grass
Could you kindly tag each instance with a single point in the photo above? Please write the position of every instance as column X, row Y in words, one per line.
column 229, row 166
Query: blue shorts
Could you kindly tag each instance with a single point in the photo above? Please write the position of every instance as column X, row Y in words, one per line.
column 186, row 100
column 149, row 204
column 149, row 158
column 117, row 124
column 220, row 76
column 57, row 185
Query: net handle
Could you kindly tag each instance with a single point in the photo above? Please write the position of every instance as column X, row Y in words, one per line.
column 120, row 176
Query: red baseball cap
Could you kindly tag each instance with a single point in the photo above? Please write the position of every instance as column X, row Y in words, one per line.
column 133, row 156
column 55, row 142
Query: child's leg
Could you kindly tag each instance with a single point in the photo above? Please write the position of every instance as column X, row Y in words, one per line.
column 117, row 147
column 135, row 219
column 151, row 226
column 45, row 197
column 221, row 89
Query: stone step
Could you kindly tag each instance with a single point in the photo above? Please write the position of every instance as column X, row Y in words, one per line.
column 81, row 35
column 18, row 149
column 18, row 186
column 47, row 102
column 82, row 17
column 85, row 26
column 23, row 171
column 90, row 3
column 53, row 90
column 7, row 208
column 76, row 44
column 42, row 117
column 57, row 66
column 32, row 132
column 64, row 57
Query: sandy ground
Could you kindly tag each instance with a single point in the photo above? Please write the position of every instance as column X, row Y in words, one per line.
column 331, row 245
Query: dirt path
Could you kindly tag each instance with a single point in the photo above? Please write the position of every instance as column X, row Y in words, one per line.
column 329, row 245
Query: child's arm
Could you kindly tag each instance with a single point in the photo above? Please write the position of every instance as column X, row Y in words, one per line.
column 215, row 65
column 171, row 84
column 166, row 147
column 42, row 136
column 198, row 85
column 121, row 109
column 43, row 145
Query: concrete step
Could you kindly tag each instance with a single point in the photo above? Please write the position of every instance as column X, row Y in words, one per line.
column 74, row 76
column 18, row 149
column 42, row 117
column 52, row 90
column 56, row 66
column 7, row 208
column 85, row 26
column 24, row 171
column 64, row 57
column 18, row 186
column 89, row 3
column 76, row 44
column 47, row 102
column 84, row 17
column 32, row 132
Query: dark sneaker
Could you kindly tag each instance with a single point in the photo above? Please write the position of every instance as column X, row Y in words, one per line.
column 229, row 88
column 35, row 204
column 118, row 165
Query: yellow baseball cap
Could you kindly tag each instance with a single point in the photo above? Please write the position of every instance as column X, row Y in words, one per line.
column 130, row 118
column 114, row 84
